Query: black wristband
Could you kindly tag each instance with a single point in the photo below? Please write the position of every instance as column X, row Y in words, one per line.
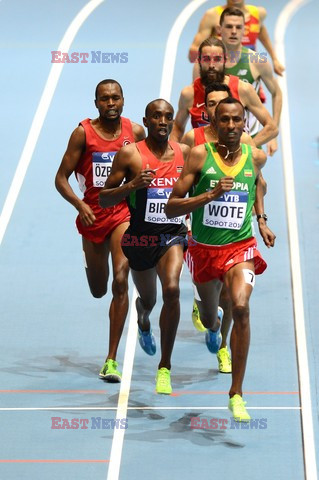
column 262, row 215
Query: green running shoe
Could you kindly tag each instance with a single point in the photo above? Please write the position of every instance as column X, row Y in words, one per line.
column 196, row 318
column 237, row 406
column 224, row 360
column 109, row 372
column 163, row 381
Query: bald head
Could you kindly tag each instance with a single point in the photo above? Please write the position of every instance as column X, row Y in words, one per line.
column 158, row 103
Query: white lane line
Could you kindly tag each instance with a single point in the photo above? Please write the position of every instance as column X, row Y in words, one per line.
column 171, row 47
column 301, row 340
column 124, row 411
column 165, row 92
column 40, row 115
column 122, row 406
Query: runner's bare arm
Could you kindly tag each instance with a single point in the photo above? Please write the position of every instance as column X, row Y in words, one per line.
column 126, row 165
column 208, row 23
column 189, row 138
column 185, row 150
column 267, row 235
column 262, row 15
column 259, row 159
column 69, row 163
column 138, row 132
column 182, row 115
column 262, row 184
column 266, row 73
column 177, row 204
column 265, row 40
column 245, row 138
column 251, row 101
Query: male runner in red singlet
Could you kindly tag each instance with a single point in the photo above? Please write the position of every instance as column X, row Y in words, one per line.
column 212, row 58
column 90, row 152
column 153, row 243
column 214, row 93
column 254, row 29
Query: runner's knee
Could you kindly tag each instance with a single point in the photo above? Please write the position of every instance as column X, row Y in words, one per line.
column 149, row 302
column 120, row 283
column 98, row 291
column 171, row 292
column 241, row 312
column 207, row 317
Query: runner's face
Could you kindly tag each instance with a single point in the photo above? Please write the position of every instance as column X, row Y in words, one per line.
column 109, row 101
column 212, row 65
column 232, row 30
column 159, row 120
column 230, row 124
column 212, row 100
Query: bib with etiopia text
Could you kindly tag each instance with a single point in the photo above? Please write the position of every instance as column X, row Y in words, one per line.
column 226, row 219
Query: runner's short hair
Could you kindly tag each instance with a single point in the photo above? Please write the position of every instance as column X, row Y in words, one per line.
column 211, row 42
column 228, row 101
column 216, row 87
column 147, row 108
column 231, row 11
column 104, row 82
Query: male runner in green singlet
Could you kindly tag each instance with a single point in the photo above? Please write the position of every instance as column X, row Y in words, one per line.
column 250, row 67
column 214, row 93
column 221, row 178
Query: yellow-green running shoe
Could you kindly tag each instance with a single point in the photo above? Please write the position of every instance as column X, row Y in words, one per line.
column 196, row 318
column 109, row 372
column 224, row 360
column 163, row 381
column 237, row 406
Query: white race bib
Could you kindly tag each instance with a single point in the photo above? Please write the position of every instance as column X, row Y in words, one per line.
column 101, row 165
column 157, row 199
column 227, row 211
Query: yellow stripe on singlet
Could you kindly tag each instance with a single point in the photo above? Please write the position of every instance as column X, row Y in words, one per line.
column 227, row 170
column 253, row 11
column 219, row 9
